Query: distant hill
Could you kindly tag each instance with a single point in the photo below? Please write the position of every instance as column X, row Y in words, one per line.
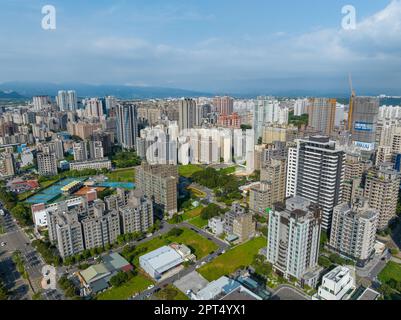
column 30, row 89
column 10, row 95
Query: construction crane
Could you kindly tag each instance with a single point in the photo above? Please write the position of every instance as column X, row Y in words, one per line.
column 351, row 103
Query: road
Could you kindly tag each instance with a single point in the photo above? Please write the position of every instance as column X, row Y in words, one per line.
column 374, row 267
column 210, row 198
column 16, row 239
column 222, row 247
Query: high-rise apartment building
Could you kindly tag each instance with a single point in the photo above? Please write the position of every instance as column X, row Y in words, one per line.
column 223, row 105
column 100, row 228
column 127, row 125
column 80, row 151
column 137, row 215
column 47, row 163
column 268, row 111
column 96, row 150
column 319, row 174
column 260, row 197
column 322, row 113
column 275, row 171
column 187, row 113
column 293, row 239
column 40, row 102
column 159, row 183
column 353, row 231
column 7, row 164
column 65, row 231
column 67, row 100
column 382, row 187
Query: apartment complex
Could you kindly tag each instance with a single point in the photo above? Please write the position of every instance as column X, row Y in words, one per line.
column 95, row 225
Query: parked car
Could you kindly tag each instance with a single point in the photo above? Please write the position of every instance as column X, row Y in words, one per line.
column 3, row 244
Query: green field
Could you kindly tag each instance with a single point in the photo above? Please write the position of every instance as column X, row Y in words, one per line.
column 122, row 175
column 391, row 271
column 188, row 170
column 198, row 222
column 136, row 284
column 200, row 246
column 233, row 259
column 192, row 213
column 229, row 170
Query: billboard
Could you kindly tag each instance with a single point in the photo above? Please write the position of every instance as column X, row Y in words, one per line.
column 363, row 126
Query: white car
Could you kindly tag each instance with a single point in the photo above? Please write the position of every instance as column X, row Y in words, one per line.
column 3, row 244
column 151, row 287
column 1, row 212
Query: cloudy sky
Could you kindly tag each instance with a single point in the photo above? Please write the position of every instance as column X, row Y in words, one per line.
column 241, row 46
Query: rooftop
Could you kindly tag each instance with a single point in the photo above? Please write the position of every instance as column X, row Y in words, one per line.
column 162, row 259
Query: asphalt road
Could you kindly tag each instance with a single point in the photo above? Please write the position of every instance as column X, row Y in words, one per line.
column 16, row 239
column 374, row 267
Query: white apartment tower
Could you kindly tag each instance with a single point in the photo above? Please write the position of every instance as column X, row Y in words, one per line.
column 293, row 239
column 316, row 172
column 353, row 231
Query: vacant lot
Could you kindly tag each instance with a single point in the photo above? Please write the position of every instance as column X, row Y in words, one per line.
column 391, row 271
column 198, row 222
column 233, row 259
column 122, row 175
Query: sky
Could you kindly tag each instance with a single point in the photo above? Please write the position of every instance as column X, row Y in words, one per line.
column 232, row 46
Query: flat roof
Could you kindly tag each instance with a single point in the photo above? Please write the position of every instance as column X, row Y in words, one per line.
column 162, row 259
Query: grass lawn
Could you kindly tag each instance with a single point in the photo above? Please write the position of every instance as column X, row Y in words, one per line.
column 188, row 170
column 229, row 170
column 236, row 257
column 171, row 293
column 200, row 246
column 136, row 284
column 122, row 175
column 192, row 213
column 198, row 222
column 391, row 271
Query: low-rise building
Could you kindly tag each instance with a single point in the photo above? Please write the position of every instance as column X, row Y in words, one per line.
column 96, row 278
column 338, row 284
column 216, row 225
column 162, row 263
column 96, row 164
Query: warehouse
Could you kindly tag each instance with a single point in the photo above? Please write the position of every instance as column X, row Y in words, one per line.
column 161, row 262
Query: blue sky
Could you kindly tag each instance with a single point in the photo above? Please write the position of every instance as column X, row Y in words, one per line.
column 210, row 45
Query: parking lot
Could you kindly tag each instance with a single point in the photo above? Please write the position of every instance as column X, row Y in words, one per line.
column 192, row 281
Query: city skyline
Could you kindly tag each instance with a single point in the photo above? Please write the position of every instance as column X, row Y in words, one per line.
column 258, row 47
